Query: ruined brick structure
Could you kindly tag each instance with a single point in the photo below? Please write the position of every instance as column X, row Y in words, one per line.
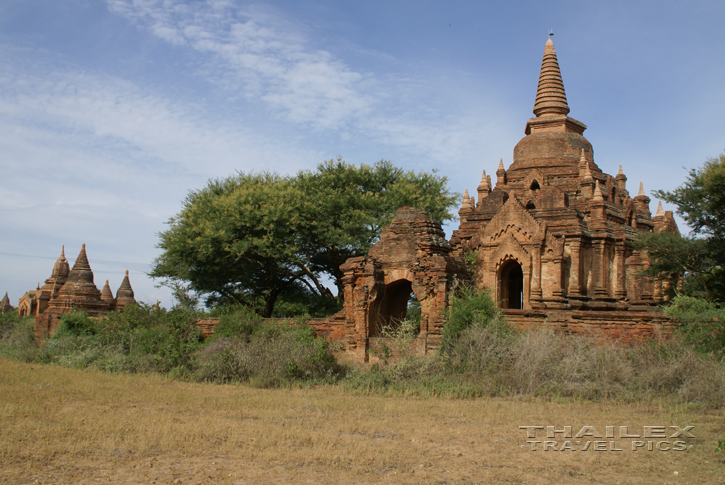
column 5, row 305
column 71, row 289
column 552, row 240
column 412, row 256
column 556, row 232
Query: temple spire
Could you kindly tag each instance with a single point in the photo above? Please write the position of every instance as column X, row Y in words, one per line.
column 598, row 193
column 550, row 95
column 641, row 191
column 466, row 200
column 81, row 270
column 660, row 211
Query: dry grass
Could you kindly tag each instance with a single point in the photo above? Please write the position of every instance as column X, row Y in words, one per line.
column 63, row 425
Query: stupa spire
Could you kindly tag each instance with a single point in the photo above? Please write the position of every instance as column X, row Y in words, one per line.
column 106, row 293
column 466, row 200
column 660, row 211
column 641, row 191
column 81, row 270
column 550, row 94
column 124, row 295
column 598, row 193
column 61, row 268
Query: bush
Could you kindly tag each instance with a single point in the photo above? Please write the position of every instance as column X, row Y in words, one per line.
column 701, row 322
column 75, row 323
column 265, row 355
column 17, row 338
column 237, row 322
column 468, row 306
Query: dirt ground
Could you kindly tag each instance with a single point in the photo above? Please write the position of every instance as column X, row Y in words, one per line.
column 60, row 425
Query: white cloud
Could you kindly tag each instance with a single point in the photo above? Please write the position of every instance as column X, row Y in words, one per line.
column 273, row 61
column 257, row 54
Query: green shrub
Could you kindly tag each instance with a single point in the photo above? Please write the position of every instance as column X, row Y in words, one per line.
column 269, row 355
column 468, row 307
column 701, row 322
column 75, row 323
column 237, row 322
column 17, row 338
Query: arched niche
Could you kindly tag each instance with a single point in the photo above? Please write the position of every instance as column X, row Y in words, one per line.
column 511, row 285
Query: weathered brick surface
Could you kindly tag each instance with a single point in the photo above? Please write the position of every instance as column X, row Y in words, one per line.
column 67, row 290
column 557, row 219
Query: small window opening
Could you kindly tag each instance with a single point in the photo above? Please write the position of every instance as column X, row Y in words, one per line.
column 535, row 186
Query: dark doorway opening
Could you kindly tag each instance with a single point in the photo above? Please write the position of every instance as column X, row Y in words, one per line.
column 392, row 307
column 512, row 286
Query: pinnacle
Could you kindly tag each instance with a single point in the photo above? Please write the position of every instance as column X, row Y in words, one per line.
column 81, row 268
column 620, row 170
column 587, row 175
column 61, row 268
column 484, row 182
column 466, row 200
column 550, row 94
column 106, row 293
column 500, row 165
column 597, row 192
column 660, row 212
column 124, row 295
column 641, row 191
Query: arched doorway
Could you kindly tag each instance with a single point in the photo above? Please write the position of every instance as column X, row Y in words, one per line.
column 511, row 282
column 392, row 307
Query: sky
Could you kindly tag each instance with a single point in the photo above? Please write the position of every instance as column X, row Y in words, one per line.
column 112, row 111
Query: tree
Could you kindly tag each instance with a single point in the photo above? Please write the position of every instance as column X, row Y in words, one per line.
column 346, row 208
column 700, row 258
column 249, row 238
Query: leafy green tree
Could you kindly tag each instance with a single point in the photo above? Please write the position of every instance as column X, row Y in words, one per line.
column 250, row 238
column 700, row 258
column 346, row 208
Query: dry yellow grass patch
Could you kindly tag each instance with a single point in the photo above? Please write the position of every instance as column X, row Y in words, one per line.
column 62, row 425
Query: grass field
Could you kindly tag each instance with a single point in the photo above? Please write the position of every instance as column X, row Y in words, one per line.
column 61, row 425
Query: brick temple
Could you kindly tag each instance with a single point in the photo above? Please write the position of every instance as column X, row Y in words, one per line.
column 551, row 239
column 69, row 289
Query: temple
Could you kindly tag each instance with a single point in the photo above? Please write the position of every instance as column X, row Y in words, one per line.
column 69, row 289
column 555, row 232
column 551, row 239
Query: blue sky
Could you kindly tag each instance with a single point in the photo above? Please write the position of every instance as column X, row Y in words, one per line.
column 110, row 112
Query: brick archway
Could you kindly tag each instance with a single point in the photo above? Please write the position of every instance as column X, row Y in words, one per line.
column 390, row 308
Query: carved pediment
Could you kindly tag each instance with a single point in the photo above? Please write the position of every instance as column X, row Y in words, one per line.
column 512, row 219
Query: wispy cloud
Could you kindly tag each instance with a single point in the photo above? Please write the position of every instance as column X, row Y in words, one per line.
column 273, row 60
column 257, row 54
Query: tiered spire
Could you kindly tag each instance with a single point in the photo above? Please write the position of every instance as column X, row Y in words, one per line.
column 641, row 191
column 466, row 200
column 61, row 269
column 550, row 95
column 500, row 174
column 106, row 293
column 586, row 173
column 124, row 295
column 81, row 268
column 660, row 211
column 485, row 182
column 598, row 197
